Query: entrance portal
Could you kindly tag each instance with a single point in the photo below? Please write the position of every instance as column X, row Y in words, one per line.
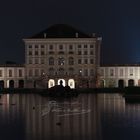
column 61, row 81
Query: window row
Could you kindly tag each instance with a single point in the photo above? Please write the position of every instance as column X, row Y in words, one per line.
column 60, row 71
column 91, row 52
column 121, row 72
column 60, row 61
column 61, row 46
column 10, row 73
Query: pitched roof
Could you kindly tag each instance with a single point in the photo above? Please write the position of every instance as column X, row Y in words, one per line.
column 61, row 31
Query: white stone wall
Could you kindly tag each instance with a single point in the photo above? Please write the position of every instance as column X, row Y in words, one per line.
column 112, row 74
column 14, row 76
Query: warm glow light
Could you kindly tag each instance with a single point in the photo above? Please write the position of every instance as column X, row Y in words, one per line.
column 71, row 83
column 63, row 82
column 51, row 83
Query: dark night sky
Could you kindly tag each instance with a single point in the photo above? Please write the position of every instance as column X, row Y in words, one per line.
column 117, row 21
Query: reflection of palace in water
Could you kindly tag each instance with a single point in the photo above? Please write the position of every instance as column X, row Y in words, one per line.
column 106, row 110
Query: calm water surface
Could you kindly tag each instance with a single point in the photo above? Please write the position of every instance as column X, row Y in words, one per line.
column 88, row 117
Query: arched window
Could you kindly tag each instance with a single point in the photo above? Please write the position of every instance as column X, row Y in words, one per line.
column 61, row 71
column 71, row 61
column 51, row 71
column 71, row 71
column 51, row 61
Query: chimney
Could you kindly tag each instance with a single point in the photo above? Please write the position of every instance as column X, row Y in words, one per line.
column 45, row 35
column 76, row 35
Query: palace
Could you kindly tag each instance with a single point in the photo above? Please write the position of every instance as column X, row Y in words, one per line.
column 63, row 53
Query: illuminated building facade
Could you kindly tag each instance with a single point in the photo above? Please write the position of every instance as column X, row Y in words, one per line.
column 62, row 53
column 120, row 75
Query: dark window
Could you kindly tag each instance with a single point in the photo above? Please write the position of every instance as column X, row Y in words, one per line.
column 42, row 53
column 91, row 46
column 79, row 46
column 51, row 61
column 85, row 46
column 30, row 46
column 85, row 52
column 51, row 47
column 71, row 52
column 79, row 61
column 91, row 61
column 51, row 52
column 86, row 61
column 36, row 52
column 42, row 46
column 20, row 73
column 60, row 47
column 30, row 52
column 10, row 73
column 36, row 46
column 91, row 52
column 70, row 47
column 79, row 52
column 71, row 61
